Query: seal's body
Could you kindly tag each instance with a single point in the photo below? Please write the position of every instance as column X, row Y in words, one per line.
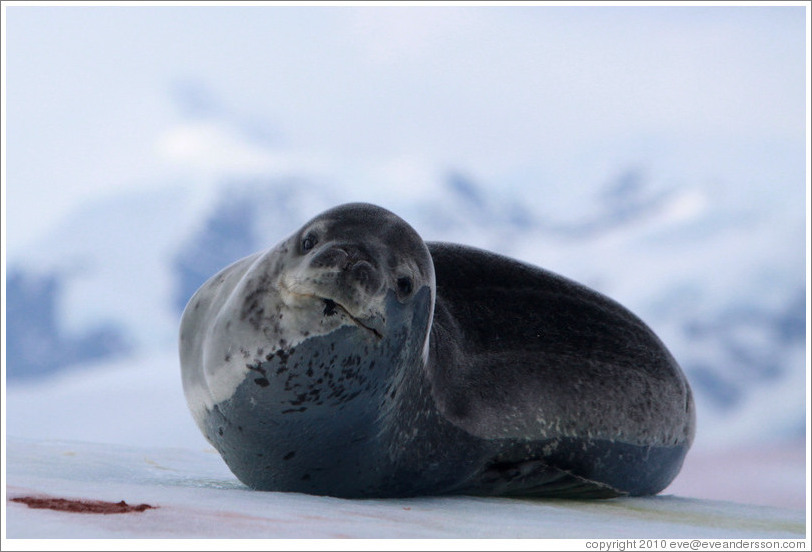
column 355, row 360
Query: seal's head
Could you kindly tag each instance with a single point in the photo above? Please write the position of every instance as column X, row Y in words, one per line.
column 329, row 319
column 346, row 263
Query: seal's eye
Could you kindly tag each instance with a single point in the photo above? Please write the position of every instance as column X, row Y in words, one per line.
column 404, row 285
column 309, row 242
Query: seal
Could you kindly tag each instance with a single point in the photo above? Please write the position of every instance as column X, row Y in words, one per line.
column 353, row 359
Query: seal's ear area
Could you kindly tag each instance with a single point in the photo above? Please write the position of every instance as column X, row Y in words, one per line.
column 404, row 285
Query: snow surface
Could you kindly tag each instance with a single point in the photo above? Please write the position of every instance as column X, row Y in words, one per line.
column 197, row 497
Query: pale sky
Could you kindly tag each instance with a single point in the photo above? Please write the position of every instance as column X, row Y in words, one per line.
column 102, row 98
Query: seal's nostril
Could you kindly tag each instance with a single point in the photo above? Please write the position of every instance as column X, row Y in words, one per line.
column 332, row 257
column 354, row 263
column 365, row 274
column 362, row 271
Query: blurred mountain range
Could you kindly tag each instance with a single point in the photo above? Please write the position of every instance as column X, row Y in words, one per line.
column 724, row 289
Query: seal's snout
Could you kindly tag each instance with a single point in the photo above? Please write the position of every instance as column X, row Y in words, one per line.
column 365, row 274
column 330, row 257
column 353, row 264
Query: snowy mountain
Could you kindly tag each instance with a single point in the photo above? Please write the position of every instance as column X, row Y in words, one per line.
column 724, row 288
column 35, row 333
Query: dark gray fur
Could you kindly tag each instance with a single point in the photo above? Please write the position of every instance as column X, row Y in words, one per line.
column 534, row 385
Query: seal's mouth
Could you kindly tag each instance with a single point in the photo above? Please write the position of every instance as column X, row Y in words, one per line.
column 331, row 308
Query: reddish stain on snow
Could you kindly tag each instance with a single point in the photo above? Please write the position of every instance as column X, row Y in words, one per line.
column 81, row 506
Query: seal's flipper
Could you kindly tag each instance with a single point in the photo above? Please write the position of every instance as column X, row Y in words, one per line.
column 534, row 478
